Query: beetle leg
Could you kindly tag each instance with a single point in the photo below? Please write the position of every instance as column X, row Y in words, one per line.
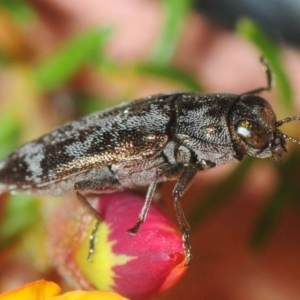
column 180, row 188
column 166, row 170
column 95, row 186
column 87, row 205
column 92, row 240
column 270, row 79
column 91, row 210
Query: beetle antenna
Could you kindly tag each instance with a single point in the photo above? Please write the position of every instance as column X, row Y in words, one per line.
column 287, row 120
column 270, row 78
column 269, row 74
column 292, row 139
column 277, row 159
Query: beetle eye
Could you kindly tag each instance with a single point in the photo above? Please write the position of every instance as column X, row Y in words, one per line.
column 253, row 134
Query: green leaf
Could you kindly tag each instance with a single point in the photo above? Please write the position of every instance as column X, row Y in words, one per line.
column 271, row 52
column 174, row 14
column 220, row 194
column 170, row 73
column 268, row 220
column 9, row 133
column 88, row 104
column 70, row 58
column 19, row 214
column 288, row 190
column 20, row 10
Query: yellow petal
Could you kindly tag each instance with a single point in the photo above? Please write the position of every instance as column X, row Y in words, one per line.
column 83, row 295
column 104, row 262
column 37, row 290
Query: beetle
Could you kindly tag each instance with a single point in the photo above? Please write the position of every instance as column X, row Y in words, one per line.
column 158, row 138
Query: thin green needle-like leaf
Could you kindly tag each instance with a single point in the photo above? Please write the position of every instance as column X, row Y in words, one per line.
column 69, row 59
column 9, row 133
column 220, row 194
column 268, row 220
column 19, row 9
column 175, row 75
column 174, row 15
column 271, row 51
column 286, row 191
column 19, row 213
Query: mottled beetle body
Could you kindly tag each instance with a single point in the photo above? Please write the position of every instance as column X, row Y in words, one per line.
column 123, row 147
column 159, row 138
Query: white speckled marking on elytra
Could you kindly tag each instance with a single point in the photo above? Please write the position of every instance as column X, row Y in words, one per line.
column 33, row 156
column 2, row 164
column 78, row 148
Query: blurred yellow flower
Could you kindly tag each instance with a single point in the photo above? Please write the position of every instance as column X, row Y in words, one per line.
column 38, row 290
column 83, row 295
column 47, row 290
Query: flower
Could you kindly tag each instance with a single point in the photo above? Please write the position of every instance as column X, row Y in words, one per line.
column 47, row 290
column 38, row 290
column 134, row 266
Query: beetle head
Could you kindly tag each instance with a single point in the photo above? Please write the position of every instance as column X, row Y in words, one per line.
column 254, row 128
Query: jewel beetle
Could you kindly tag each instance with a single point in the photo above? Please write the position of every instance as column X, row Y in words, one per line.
column 158, row 138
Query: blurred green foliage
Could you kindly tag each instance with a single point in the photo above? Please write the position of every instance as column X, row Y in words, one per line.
column 174, row 16
column 67, row 61
column 270, row 50
column 286, row 193
column 21, row 211
column 9, row 133
column 20, row 10
column 171, row 73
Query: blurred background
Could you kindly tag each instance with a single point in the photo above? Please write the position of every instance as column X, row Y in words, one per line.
column 63, row 59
